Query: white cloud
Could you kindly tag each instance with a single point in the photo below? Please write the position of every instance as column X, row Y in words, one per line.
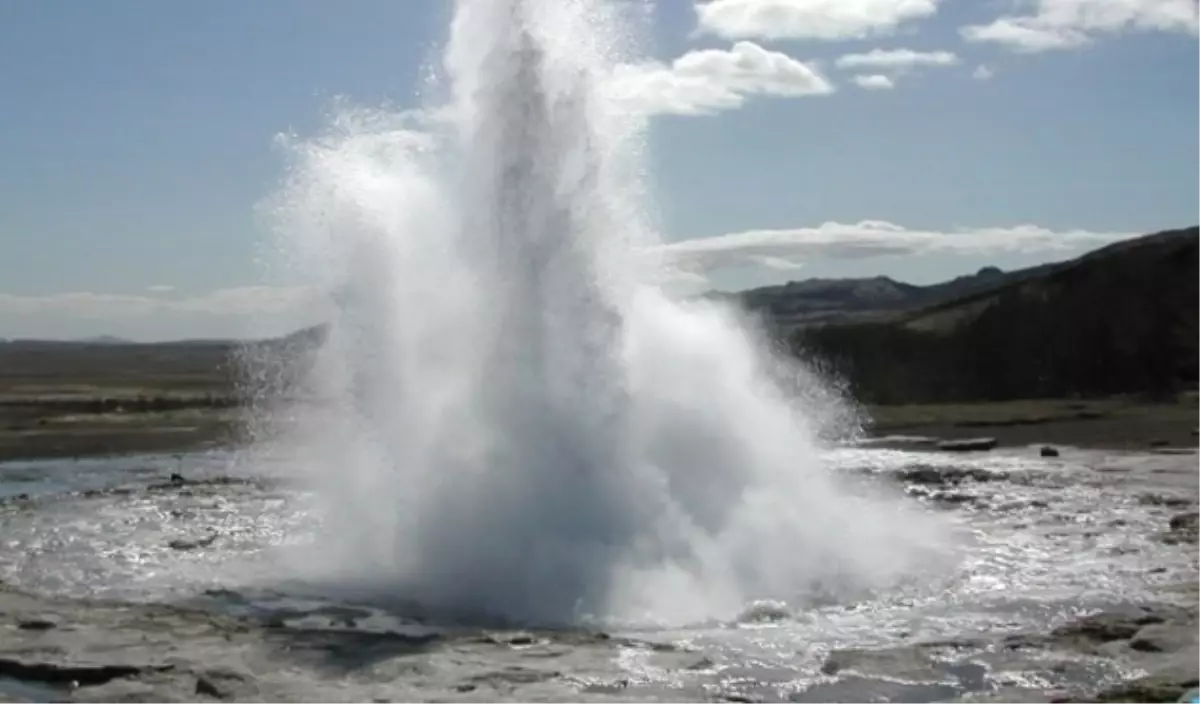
column 241, row 300
column 263, row 311
column 1067, row 24
column 982, row 73
column 808, row 19
column 220, row 313
column 896, row 59
column 711, row 80
column 160, row 288
column 874, row 81
column 777, row 263
column 866, row 239
column 1023, row 34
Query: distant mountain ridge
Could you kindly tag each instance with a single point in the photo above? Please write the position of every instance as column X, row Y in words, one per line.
column 817, row 300
column 1121, row 319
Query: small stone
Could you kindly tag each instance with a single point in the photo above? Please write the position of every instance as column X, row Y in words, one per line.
column 953, row 498
column 1167, row 500
column 1183, row 528
column 181, row 544
column 1184, row 521
column 208, row 689
column 36, row 624
column 932, row 476
column 1100, row 628
column 1048, row 451
column 968, row 445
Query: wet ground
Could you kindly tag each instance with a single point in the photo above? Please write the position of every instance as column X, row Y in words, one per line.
column 155, row 578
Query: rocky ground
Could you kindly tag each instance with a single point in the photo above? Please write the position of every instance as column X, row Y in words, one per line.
column 1130, row 516
column 1114, row 423
column 64, row 650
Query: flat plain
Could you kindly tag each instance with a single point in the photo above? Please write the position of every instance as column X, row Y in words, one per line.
column 79, row 399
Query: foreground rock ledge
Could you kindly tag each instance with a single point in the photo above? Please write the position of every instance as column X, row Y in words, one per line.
column 76, row 650
column 83, row 650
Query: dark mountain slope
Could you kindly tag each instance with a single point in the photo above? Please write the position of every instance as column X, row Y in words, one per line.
column 797, row 303
column 1121, row 319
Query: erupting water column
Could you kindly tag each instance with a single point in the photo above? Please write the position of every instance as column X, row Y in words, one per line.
column 514, row 419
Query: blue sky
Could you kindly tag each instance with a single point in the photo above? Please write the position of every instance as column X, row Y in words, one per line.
column 790, row 138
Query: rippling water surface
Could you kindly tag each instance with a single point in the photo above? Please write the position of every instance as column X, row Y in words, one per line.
column 1041, row 540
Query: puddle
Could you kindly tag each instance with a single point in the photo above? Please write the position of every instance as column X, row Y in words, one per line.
column 27, row 691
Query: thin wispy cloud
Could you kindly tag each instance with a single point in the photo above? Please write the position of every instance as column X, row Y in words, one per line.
column 896, row 59
column 240, row 300
column 808, row 19
column 240, row 311
column 772, row 252
column 1069, row 24
column 868, row 239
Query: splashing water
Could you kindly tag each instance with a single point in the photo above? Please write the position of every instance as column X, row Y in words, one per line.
column 514, row 419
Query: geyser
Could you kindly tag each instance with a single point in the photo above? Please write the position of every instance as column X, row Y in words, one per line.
column 512, row 418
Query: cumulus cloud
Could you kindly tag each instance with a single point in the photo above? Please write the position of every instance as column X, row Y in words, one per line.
column 874, row 81
column 808, row 19
column 711, row 80
column 982, row 73
column 896, row 59
column 869, row 238
column 1067, row 24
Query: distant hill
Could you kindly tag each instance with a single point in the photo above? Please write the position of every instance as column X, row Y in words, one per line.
column 1121, row 319
column 89, row 368
column 1118, row 320
column 798, row 303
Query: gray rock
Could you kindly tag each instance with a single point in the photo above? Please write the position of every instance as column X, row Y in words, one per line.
column 905, row 663
column 112, row 651
column 182, row 544
column 37, row 624
column 1152, row 499
column 968, row 445
column 1164, row 637
column 1183, row 528
column 1141, row 690
column 931, row 475
column 1102, row 628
